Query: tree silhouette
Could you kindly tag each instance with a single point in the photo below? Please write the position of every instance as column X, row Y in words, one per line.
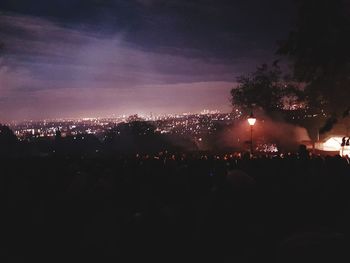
column 7, row 135
column 265, row 88
column 7, row 140
column 135, row 137
column 319, row 50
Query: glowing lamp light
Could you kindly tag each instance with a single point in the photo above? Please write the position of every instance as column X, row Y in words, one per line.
column 251, row 120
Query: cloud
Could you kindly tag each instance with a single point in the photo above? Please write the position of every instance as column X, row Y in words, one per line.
column 51, row 70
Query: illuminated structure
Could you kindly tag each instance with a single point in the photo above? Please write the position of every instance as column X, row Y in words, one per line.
column 335, row 144
column 251, row 121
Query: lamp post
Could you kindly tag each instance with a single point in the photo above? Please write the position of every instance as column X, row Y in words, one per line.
column 251, row 121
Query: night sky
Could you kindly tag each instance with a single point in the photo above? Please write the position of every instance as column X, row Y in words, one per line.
column 96, row 58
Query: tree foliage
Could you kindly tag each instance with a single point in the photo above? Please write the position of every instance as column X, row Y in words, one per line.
column 266, row 88
column 7, row 140
column 135, row 137
column 319, row 50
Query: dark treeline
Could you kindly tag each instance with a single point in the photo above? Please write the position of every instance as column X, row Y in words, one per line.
column 124, row 139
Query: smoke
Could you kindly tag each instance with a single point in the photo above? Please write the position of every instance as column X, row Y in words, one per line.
column 346, row 113
column 328, row 126
column 333, row 120
column 286, row 136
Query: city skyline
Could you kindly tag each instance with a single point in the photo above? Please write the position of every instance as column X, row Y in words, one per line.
column 143, row 116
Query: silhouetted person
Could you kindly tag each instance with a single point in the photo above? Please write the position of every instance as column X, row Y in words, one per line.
column 343, row 141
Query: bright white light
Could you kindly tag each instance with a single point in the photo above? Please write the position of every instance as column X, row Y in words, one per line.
column 345, row 152
column 332, row 144
column 251, row 121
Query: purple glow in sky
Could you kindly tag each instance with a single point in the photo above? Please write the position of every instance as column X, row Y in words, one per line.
column 52, row 68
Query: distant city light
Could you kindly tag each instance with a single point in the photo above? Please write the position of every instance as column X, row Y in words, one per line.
column 179, row 124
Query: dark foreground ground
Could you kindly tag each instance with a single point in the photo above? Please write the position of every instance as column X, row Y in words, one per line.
column 176, row 209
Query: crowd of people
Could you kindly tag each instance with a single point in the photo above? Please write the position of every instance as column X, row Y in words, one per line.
column 174, row 207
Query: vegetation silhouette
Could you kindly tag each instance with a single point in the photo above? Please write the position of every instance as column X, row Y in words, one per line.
column 141, row 137
column 268, row 89
column 318, row 48
column 8, row 141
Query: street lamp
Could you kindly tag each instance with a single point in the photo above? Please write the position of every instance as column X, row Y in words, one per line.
column 251, row 121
